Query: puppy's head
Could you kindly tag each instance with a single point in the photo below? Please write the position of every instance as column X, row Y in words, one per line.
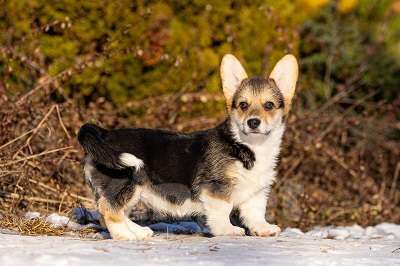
column 257, row 105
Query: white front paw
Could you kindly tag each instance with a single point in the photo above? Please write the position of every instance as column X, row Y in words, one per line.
column 121, row 231
column 147, row 232
column 229, row 231
column 128, row 230
column 141, row 232
column 265, row 230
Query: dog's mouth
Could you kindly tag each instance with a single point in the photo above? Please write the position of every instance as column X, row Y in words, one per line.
column 256, row 132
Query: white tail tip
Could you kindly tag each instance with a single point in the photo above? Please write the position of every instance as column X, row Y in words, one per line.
column 131, row 160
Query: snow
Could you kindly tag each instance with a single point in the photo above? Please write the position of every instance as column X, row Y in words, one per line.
column 32, row 215
column 384, row 230
column 172, row 249
column 60, row 221
column 292, row 232
column 182, row 243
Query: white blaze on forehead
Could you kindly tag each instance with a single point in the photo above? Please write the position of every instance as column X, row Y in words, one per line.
column 131, row 160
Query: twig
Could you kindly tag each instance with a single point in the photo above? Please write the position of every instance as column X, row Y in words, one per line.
column 394, row 182
column 350, row 84
column 37, row 199
column 340, row 118
column 292, row 168
column 47, row 82
column 36, row 129
column 340, row 162
column 30, row 163
column 62, row 201
column 73, row 195
column 80, row 197
column 60, row 76
column 395, row 250
column 35, row 156
column 334, row 100
column 62, row 158
column 338, row 213
column 9, row 173
column 17, row 138
column 61, row 122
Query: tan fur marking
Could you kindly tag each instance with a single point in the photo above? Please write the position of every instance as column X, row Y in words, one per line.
column 108, row 213
column 256, row 103
column 219, row 196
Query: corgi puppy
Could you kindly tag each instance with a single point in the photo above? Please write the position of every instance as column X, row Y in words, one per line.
column 207, row 173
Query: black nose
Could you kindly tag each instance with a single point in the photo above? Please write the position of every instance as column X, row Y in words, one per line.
column 253, row 123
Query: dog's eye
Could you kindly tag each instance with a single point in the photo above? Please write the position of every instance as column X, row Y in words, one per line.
column 244, row 106
column 268, row 106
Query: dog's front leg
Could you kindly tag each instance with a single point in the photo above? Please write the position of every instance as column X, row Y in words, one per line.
column 252, row 213
column 217, row 212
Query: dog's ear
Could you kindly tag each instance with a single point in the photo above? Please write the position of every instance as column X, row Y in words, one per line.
column 285, row 75
column 232, row 74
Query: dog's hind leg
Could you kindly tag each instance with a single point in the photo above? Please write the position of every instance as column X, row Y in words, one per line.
column 119, row 225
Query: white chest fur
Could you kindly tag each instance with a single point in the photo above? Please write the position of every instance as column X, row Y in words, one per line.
column 259, row 179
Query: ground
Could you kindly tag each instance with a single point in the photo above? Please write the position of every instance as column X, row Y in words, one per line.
column 370, row 247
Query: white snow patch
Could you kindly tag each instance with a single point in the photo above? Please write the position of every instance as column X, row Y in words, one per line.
column 384, row 230
column 32, row 215
column 356, row 231
column 292, row 232
column 388, row 228
column 57, row 220
column 319, row 232
column 339, row 233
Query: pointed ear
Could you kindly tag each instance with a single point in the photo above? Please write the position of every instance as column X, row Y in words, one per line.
column 232, row 74
column 285, row 75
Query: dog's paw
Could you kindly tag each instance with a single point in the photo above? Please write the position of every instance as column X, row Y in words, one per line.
column 120, row 236
column 141, row 232
column 128, row 230
column 230, row 231
column 122, row 232
column 147, row 232
column 266, row 230
column 245, row 155
column 248, row 164
column 248, row 158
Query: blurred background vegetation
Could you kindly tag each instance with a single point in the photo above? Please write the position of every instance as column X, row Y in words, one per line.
column 148, row 48
column 156, row 63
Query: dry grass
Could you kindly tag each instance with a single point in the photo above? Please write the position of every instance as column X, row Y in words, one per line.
column 37, row 226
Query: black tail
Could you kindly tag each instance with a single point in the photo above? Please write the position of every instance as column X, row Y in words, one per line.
column 91, row 138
